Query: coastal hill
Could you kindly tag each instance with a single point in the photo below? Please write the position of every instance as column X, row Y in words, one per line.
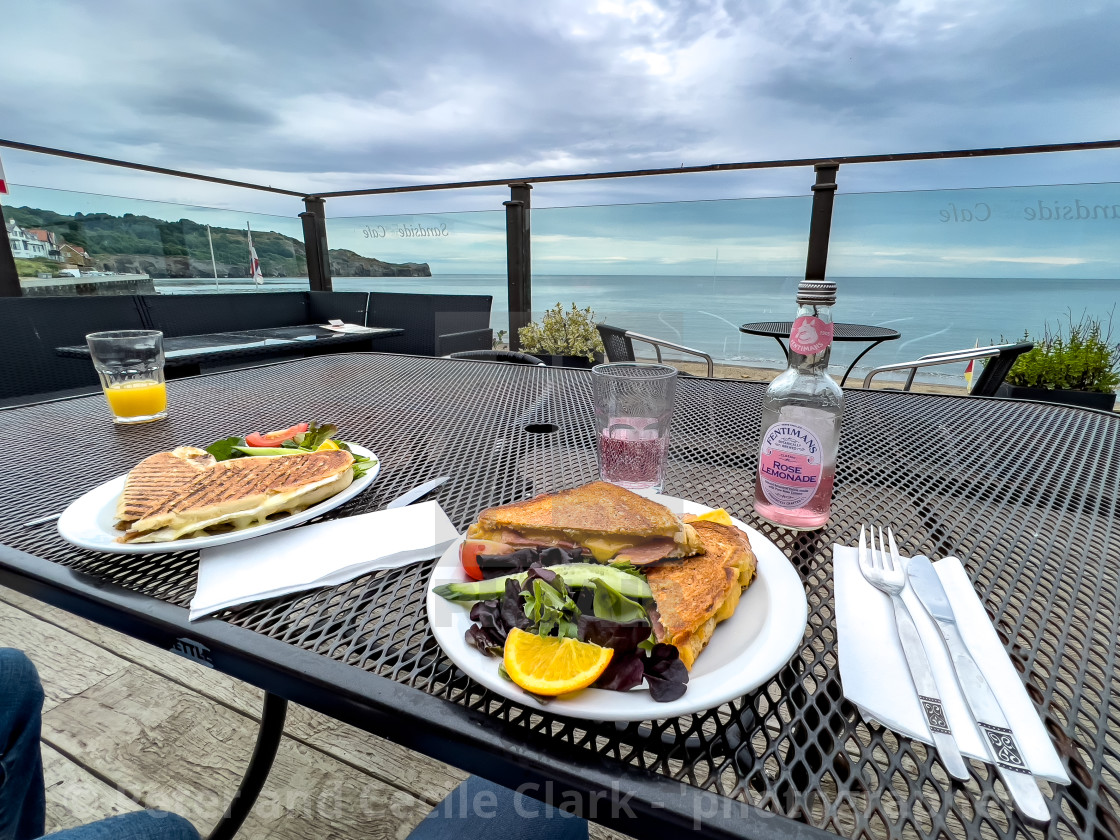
column 134, row 244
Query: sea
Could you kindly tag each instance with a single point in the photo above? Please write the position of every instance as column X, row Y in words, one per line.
column 932, row 314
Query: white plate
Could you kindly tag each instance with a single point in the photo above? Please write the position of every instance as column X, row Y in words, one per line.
column 89, row 521
column 745, row 651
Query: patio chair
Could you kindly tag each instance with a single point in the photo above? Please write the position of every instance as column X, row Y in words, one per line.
column 462, row 342
column 619, row 344
column 32, row 327
column 510, row 356
column 1002, row 357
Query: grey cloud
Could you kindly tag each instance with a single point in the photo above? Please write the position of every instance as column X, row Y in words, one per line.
column 208, row 85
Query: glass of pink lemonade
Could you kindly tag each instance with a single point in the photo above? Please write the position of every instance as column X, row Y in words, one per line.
column 633, row 411
column 130, row 366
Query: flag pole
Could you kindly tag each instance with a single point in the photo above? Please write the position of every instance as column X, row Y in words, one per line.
column 254, row 263
column 213, row 262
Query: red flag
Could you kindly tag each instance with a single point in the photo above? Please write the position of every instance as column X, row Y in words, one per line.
column 3, row 183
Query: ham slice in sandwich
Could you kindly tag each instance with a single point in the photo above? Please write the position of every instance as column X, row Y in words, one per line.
column 605, row 520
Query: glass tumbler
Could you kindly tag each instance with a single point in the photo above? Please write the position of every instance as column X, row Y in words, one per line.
column 130, row 366
column 633, row 411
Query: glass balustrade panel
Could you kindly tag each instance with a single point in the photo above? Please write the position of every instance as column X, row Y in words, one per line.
column 952, row 269
column 73, row 243
column 690, row 273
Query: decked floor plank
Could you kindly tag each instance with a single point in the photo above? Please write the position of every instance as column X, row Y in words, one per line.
column 75, row 654
column 75, row 797
column 72, row 663
column 426, row 778
column 171, row 748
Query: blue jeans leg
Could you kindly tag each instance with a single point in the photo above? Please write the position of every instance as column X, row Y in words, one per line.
column 22, row 799
column 482, row 810
column 139, row 825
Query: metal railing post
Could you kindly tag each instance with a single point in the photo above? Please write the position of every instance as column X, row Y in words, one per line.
column 315, row 244
column 9, row 277
column 824, row 190
column 519, row 264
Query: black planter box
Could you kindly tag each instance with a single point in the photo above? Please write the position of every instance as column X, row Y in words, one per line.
column 1081, row 399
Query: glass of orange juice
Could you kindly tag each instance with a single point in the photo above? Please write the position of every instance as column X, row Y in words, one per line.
column 130, row 366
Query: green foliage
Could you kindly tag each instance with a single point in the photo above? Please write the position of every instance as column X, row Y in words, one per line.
column 1080, row 358
column 36, row 266
column 561, row 333
column 102, row 235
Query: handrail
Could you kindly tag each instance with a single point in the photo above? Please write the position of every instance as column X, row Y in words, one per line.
column 143, row 167
column 730, row 167
column 936, row 359
column 659, row 343
column 588, row 176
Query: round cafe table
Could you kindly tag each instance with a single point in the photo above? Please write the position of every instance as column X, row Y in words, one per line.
column 778, row 330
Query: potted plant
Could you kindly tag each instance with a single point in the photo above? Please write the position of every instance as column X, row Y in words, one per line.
column 1080, row 367
column 564, row 339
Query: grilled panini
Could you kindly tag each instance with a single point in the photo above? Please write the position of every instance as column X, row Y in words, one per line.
column 694, row 594
column 157, row 478
column 245, row 491
column 608, row 521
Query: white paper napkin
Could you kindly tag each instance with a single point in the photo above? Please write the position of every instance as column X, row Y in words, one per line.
column 325, row 554
column 876, row 678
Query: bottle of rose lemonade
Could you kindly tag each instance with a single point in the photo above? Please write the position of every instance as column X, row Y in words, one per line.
column 801, row 421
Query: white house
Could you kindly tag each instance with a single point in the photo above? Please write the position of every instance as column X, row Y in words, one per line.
column 25, row 244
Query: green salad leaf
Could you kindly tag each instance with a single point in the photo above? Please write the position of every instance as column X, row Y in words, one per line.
column 316, row 435
column 612, row 605
column 222, row 450
column 551, row 609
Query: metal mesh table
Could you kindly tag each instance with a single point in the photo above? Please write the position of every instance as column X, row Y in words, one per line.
column 1025, row 494
column 778, row 330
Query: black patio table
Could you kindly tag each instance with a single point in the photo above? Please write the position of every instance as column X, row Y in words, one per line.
column 1024, row 493
column 186, row 354
column 778, row 330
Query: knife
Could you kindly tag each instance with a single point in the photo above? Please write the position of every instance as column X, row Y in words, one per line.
column 995, row 730
column 416, row 492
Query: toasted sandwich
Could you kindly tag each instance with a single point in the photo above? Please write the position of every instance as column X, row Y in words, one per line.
column 245, row 491
column 694, row 594
column 157, row 478
column 611, row 523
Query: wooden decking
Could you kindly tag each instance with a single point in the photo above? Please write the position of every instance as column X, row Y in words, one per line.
column 127, row 726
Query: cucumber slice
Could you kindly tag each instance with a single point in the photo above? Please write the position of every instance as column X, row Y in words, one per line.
column 258, row 451
column 575, row 575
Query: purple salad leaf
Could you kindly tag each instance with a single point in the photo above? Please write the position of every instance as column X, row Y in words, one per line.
column 622, row 637
column 512, row 607
column 624, row 673
column 666, row 675
column 488, row 634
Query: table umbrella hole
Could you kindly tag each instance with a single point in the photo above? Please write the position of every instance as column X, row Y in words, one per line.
column 542, row 428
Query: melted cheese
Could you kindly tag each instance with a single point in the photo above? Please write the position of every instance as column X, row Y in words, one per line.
column 605, row 548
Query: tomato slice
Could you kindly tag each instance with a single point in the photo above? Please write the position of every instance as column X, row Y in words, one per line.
column 276, row 438
column 471, row 549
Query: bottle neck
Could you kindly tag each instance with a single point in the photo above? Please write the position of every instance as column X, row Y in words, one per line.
column 810, row 341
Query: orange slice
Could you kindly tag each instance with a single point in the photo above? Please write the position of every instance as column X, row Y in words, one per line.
column 327, row 445
column 550, row 666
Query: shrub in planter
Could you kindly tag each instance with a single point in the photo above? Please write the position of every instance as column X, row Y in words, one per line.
column 564, row 338
column 1074, row 357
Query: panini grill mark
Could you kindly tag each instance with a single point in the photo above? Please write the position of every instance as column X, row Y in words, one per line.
column 230, row 480
column 156, row 479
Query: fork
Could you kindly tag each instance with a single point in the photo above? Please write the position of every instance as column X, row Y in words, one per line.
column 885, row 572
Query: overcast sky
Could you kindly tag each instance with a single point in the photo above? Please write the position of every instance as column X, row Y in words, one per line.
column 324, row 95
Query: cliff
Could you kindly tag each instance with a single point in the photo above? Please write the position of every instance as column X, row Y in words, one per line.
column 134, row 244
column 343, row 264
